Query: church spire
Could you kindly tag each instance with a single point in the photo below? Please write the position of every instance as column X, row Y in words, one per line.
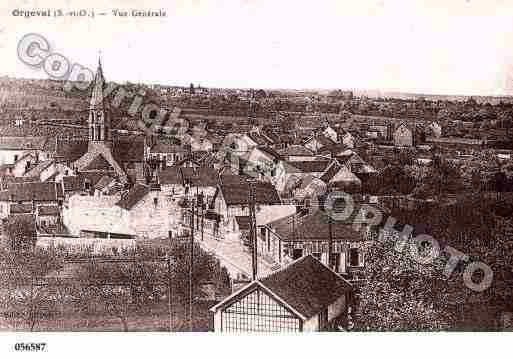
column 99, row 117
column 98, row 87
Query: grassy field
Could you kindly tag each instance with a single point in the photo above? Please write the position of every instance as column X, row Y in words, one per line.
column 154, row 319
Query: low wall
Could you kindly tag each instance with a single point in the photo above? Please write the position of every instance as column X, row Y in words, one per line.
column 86, row 245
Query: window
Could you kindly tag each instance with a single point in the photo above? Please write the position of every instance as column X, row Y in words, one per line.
column 317, row 255
column 297, row 253
column 354, row 257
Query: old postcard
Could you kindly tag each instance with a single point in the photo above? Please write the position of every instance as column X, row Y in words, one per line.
column 244, row 166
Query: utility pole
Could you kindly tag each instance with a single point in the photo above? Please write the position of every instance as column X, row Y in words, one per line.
column 252, row 232
column 202, row 216
column 169, row 300
column 191, row 267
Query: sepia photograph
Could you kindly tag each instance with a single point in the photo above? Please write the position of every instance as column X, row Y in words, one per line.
column 231, row 168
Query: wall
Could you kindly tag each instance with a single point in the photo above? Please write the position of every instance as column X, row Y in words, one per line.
column 336, row 308
column 312, row 324
column 85, row 245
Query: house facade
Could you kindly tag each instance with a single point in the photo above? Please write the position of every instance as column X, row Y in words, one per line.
column 305, row 296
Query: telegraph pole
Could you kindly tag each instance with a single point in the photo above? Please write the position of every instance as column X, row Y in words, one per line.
column 202, row 216
column 169, row 300
column 191, row 259
column 252, row 232
column 330, row 226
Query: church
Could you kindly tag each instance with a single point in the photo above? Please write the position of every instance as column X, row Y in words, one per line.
column 120, row 157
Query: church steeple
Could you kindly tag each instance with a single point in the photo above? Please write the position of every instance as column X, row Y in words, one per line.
column 99, row 116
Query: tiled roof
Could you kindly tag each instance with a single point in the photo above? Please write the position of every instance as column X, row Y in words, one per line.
column 307, row 285
column 98, row 163
column 73, row 183
column 200, row 176
column 38, row 191
column 238, row 193
column 70, row 150
column 315, row 227
column 132, row 197
column 170, row 175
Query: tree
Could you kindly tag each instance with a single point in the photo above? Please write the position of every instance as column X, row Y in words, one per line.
column 480, row 228
column 391, row 180
column 21, row 232
column 22, row 284
column 399, row 294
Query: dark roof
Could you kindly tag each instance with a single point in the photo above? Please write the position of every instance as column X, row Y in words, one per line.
column 73, row 183
column 200, row 176
column 296, row 150
column 98, row 163
column 233, row 179
column 70, row 149
column 315, row 227
column 307, row 166
column 48, row 210
column 307, row 285
column 125, row 149
column 128, row 149
column 38, row 191
column 170, row 175
column 332, row 170
column 132, row 197
column 21, row 208
column 238, row 193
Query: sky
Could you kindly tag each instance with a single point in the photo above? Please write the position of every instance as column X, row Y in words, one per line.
column 434, row 47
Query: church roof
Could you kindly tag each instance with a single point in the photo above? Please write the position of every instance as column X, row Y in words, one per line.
column 98, row 163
